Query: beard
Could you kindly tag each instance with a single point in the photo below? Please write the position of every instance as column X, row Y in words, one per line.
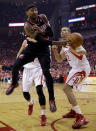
column 33, row 17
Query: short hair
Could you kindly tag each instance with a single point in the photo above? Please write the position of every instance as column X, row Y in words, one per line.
column 66, row 28
column 30, row 6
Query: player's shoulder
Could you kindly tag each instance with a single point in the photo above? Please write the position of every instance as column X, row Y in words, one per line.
column 80, row 48
column 44, row 17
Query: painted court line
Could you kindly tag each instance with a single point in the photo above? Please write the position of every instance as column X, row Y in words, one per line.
column 6, row 127
column 53, row 123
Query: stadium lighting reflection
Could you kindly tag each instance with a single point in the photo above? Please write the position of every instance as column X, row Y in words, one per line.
column 15, row 24
column 86, row 7
column 76, row 19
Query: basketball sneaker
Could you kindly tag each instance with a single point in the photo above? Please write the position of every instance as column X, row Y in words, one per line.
column 30, row 109
column 80, row 121
column 11, row 89
column 43, row 120
column 71, row 114
column 52, row 106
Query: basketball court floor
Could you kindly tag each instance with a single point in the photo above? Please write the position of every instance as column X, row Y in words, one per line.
column 13, row 111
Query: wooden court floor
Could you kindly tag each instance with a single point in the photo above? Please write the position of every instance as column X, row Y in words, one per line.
column 13, row 111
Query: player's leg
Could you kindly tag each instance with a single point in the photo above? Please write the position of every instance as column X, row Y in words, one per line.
column 42, row 102
column 45, row 65
column 24, row 58
column 38, row 80
column 27, row 83
column 72, row 100
column 75, row 109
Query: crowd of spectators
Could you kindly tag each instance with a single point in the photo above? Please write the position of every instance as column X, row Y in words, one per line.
column 5, row 76
column 8, row 56
column 10, row 44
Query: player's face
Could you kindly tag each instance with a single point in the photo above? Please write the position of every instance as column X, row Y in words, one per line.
column 32, row 12
column 64, row 33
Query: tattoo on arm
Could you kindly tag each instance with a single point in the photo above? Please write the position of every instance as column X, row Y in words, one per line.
column 29, row 30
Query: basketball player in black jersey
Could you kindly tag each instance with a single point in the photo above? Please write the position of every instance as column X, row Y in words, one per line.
column 37, row 26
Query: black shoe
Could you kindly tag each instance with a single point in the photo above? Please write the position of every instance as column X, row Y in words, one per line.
column 11, row 89
column 52, row 106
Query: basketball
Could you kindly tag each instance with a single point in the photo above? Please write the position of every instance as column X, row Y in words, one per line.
column 75, row 39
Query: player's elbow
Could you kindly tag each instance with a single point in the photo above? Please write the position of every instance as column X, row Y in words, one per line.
column 83, row 52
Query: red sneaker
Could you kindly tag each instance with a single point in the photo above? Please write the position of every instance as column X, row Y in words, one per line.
column 30, row 109
column 52, row 106
column 11, row 89
column 71, row 114
column 80, row 121
column 43, row 120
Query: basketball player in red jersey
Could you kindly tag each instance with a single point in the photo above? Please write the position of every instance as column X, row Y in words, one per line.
column 75, row 54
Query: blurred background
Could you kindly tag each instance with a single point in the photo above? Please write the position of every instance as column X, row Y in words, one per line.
column 79, row 15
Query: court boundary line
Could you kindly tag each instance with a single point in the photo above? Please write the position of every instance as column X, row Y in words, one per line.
column 53, row 123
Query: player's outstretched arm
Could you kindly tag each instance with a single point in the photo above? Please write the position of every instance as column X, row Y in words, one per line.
column 42, row 41
column 22, row 48
column 60, row 43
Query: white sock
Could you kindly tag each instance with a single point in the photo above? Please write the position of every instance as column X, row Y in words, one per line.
column 31, row 102
column 77, row 109
column 71, row 106
column 43, row 112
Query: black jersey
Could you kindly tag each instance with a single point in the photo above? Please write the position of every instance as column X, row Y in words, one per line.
column 37, row 47
column 41, row 25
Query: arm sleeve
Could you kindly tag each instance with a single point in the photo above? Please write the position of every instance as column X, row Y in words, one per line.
column 42, row 41
column 49, row 32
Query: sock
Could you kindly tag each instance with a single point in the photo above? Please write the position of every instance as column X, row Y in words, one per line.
column 43, row 112
column 31, row 102
column 71, row 106
column 77, row 109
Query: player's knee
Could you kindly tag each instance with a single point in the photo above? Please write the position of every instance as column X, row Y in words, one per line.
column 17, row 65
column 46, row 72
column 39, row 89
column 26, row 96
column 67, row 88
column 48, row 76
column 64, row 88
